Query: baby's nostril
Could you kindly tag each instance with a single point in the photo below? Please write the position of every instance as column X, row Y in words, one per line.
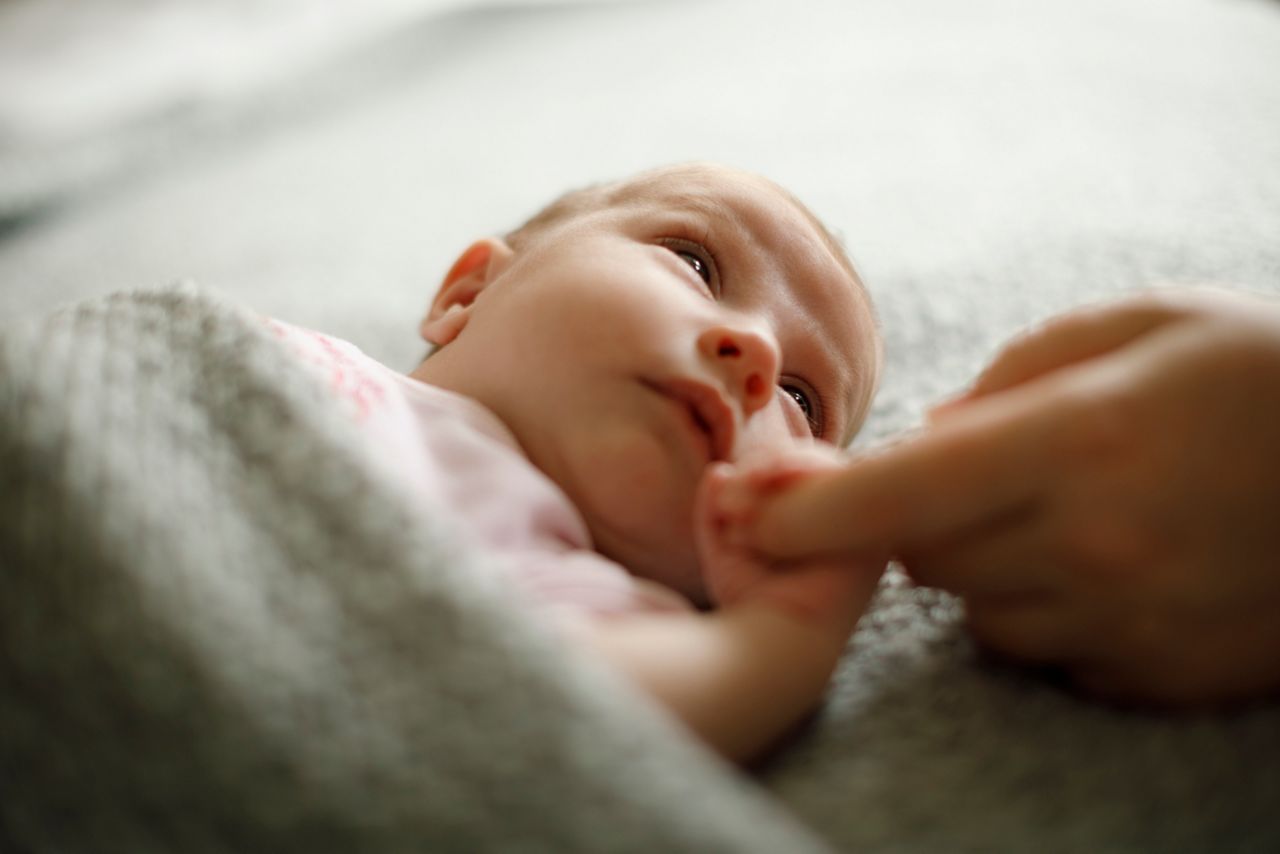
column 755, row 385
column 728, row 348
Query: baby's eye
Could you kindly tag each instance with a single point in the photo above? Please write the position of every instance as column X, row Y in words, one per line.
column 699, row 266
column 698, row 257
column 806, row 402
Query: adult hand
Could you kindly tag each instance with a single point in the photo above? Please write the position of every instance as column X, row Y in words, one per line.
column 1106, row 499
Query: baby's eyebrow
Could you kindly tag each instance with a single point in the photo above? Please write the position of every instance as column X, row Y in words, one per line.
column 845, row 346
column 844, row 379
column 712, row 209
column 690, row 199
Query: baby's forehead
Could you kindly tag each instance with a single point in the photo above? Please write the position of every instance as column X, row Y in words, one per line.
column 728, row 194
column 713, row 191
column 716, row 191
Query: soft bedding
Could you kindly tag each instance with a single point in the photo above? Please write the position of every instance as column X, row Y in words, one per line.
column 226, row 627
column 186, row 664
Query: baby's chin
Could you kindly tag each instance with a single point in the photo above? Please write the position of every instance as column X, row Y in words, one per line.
column 638, row 505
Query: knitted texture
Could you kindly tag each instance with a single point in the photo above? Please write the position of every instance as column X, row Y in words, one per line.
column 226, row 627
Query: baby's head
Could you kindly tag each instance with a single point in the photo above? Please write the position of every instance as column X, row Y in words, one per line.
column 634, row 332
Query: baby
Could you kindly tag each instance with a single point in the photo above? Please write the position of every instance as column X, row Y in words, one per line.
column 595, row 374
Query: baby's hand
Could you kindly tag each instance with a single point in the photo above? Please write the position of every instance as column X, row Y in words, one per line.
column 832, row 590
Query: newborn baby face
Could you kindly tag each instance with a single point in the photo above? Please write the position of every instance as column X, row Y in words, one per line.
column 690, row 315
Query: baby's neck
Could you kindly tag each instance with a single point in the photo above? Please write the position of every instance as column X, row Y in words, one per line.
column 478, row 415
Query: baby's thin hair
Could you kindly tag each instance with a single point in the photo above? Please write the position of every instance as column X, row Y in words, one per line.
column 562, row 208
column 593, row 196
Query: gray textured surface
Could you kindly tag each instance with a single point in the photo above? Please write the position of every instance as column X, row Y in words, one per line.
column 226, row 628
column 987, row 165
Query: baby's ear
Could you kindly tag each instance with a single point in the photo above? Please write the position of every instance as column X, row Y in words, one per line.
column 474, row 270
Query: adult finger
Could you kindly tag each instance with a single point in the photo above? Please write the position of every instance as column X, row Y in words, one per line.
column 981, row 464
column 1028, row 629
column 1066, row 339
column 1011, row 556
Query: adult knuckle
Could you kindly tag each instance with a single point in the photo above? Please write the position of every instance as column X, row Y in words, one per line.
column 1014, row 355
column 1019, row 344
column 1110, row 545
column 1160, row 304
column 1101, row 427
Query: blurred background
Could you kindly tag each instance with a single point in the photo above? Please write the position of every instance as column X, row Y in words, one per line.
column 325, row 161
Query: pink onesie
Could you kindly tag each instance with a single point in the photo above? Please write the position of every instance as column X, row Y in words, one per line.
column 451, row 447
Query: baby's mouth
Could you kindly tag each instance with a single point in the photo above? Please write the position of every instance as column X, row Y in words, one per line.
column 707, row 411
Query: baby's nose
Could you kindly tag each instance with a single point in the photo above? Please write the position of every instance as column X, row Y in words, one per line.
column 747, row 360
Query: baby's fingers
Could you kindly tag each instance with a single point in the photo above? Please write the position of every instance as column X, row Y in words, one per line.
column 729, row 569
column 743, row 487
column 830, row 591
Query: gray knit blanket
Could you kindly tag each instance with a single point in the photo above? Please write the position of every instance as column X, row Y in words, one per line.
column 227, row 627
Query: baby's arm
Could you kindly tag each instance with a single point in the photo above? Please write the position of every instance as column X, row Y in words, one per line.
column 743, row 675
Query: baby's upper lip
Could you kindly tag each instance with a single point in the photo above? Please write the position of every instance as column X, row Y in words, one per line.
column 709, row 411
